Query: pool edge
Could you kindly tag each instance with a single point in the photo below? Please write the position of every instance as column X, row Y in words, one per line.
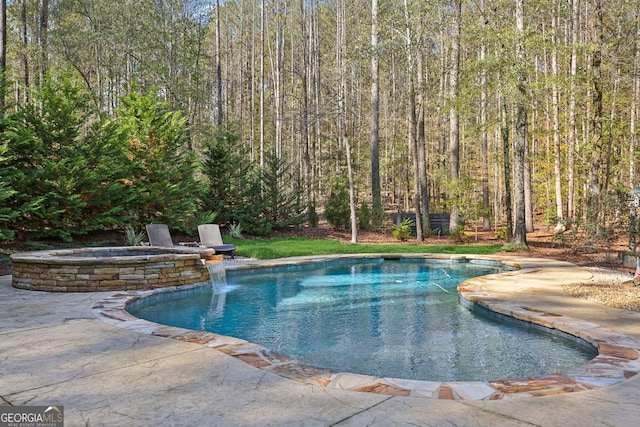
column 617, row 359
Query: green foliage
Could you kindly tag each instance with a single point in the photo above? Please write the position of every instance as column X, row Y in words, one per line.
column 235, row 231
column 564, row 238
column 233, row 188
column 133, row 238
column 282, row 193
column 462, row 197
column 54, row 167
column 402, row 231
column 240, row 193
column 312, row 216
column 364, row 216
column 225, row 170
column 106, row 189
column 514, row 247
column 501, row 233
column 550, row 214
column 337, row 210
column 5, row 259
column 377, row 216
column 205, row 217
column 6, row 214
column 458, row 234
column 70, row 173
column 162, row 171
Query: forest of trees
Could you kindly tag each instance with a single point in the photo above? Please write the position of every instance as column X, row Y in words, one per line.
column 504, row 113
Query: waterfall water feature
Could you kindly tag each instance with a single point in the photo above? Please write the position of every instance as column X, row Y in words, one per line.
column 220, row 288
column 219, row 284
column 218, row 276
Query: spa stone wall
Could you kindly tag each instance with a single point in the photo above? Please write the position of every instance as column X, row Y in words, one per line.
column 55, row 271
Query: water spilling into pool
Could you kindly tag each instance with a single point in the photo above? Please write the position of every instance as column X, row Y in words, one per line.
column 398, row 318
column 218, row 278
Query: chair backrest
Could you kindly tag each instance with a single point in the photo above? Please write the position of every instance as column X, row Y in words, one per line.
column 210, row 235
column 159, row 235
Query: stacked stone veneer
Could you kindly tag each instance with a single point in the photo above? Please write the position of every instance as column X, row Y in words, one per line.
column 109, row 269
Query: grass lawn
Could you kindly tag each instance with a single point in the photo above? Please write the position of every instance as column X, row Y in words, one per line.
column 286, row 247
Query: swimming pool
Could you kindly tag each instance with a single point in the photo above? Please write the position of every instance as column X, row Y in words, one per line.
column 389, row 318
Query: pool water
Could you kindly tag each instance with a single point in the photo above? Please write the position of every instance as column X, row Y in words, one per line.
column 388, row 318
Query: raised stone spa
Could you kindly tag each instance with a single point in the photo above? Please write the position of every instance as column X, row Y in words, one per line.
column 110, row 268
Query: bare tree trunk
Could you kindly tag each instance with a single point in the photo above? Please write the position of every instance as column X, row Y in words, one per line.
column 507, row 168
column 262, row 81
column 252, row 98
column 43, row 34
column 318, row 171
column 612, row 118
column 635, row 108
column 571, row 137
column 595, row 166
column 278, row 75
column 520, row 230
column 422, row 150
column 528, row 190
column 341, row 47
column 352, row 192
column 305, row 102
column 454, row 136
column 486, row 221
column 218, row 66
column 413, row 137
column 556, row 124
column 25, row 49
column 442, row 116
column 376, row 197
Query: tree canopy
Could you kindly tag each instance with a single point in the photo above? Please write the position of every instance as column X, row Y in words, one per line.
column 500, row 112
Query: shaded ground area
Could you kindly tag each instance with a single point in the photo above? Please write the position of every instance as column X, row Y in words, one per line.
column 622, row 295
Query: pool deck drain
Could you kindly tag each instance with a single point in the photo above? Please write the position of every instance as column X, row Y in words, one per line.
column 53, row 350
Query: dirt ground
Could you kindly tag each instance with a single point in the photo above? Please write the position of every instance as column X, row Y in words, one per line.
column 612, row 283
column 539, row 242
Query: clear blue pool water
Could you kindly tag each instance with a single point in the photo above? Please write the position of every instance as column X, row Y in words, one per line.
column 389, row 318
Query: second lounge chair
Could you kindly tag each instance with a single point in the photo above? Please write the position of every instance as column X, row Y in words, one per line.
column 211, row 238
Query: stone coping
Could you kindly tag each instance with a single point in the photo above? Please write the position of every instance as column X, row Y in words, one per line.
column 617, row 358
column 108, row 255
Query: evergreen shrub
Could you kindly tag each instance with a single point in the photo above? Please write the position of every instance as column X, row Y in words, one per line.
column 364, row 216
column 337, row 210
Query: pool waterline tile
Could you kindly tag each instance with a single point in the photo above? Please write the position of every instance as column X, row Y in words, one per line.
column 617, row 361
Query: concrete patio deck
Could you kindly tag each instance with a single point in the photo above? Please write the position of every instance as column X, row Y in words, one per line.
column 54, row 351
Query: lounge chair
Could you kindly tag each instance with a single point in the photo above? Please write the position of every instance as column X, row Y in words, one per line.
column 211, row 238
column 159, row 235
